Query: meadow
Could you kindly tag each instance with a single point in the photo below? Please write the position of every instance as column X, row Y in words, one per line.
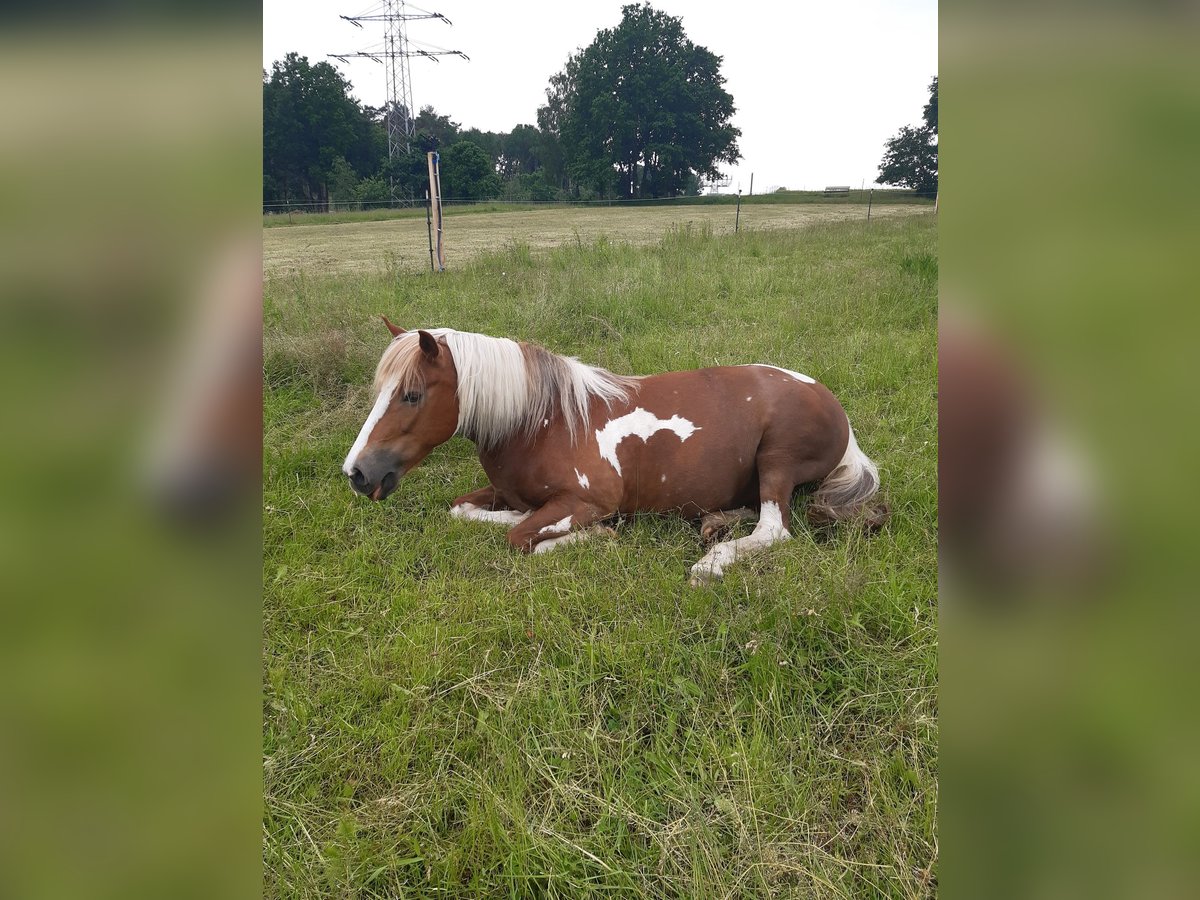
column 444, row 717
column 352, row 242
column 284, row 215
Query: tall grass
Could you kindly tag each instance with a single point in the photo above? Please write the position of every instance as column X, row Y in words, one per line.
column 444, row 717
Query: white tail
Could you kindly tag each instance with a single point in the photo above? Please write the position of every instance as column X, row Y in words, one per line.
column 845, row 491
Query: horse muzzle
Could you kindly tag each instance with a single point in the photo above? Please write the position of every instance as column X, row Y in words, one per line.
column 373, row 485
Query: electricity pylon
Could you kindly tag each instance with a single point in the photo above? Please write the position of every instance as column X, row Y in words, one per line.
column 394, row 55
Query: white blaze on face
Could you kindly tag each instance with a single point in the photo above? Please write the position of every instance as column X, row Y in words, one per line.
column 381, row 404
column 638, row 423
column 796, row 375
column 583, row 480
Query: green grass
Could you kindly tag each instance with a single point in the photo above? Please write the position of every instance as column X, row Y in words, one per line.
column 444, row 717
column 283, row 219
column 879, row 197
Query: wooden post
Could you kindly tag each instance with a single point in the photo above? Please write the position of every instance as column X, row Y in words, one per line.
column 870, row 197
column 435, row 204
column 738, row 215
column 429, row 227
column 751, row 184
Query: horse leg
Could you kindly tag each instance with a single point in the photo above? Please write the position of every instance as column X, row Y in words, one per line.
column 479, row 506
column 714, row 523
column 771, row 529
column 557, row 523
column 484, row 498
column 571, row 537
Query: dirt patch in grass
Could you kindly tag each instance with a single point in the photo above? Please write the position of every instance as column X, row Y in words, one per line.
column 403, row 244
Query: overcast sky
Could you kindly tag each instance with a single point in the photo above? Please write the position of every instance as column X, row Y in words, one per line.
column 818, row 86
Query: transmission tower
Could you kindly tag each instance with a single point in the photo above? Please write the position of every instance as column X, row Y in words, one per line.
column 394, row 54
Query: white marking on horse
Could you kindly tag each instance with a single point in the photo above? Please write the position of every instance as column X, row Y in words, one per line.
column 769, row 530
column 381, row 405
column 748, row 399
column 472, row 513
column 797, row 375
column 638, row 423
column 560, row 527
column 583, row 480
column 579, row 535
column 664, row 479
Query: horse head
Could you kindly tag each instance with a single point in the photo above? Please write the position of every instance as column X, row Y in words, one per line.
column 415, row 410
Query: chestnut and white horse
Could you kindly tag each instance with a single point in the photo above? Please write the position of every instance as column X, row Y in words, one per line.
column 567, row 445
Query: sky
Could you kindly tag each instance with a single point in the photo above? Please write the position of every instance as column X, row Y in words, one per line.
column 818, row 86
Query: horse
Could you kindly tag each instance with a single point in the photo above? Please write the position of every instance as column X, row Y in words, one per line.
column 566, row 445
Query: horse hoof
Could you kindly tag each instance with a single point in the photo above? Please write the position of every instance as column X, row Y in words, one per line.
column 710, row 533
column 703, row 579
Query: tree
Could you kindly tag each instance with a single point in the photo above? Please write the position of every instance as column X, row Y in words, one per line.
column 642, row 109
column 439, row 130
column 309, row 121
column 520, row 151
column 467, row 174
column 489, row 142
column 910, row 159
column 342, row 182
column 550, row 118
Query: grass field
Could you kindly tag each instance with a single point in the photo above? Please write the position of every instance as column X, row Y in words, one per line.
column 446, row 718
column 402, row 243
column 284, row 217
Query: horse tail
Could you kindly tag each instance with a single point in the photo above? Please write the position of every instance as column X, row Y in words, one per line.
column 846, row 491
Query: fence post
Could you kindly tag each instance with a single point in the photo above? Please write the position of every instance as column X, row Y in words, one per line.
column 870, row 197
column 738, row 215
column 429, row 227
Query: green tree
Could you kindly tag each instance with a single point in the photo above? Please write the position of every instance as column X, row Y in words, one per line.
column 910, row 159
column 520, row 151
column 490, row 142
column 439, row 131
column 550, row 118
column 642, row 109
column 309, row 121
column 342, row 182
column 467, row 173
column 408, row 173
column 930, row 113
column 372, row 192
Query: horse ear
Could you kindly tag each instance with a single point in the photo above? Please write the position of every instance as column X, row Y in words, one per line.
column 394, row 329
column 429, row 345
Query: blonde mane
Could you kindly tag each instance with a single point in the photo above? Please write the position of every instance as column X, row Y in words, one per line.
column 504, row 387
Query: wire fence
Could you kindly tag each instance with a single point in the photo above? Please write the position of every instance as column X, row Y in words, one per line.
column 863, row 196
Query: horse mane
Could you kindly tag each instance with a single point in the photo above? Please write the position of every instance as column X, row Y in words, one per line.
column 505, row 387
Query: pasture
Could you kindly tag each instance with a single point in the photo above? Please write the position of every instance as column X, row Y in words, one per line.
column 444, row 717
column 358, row 242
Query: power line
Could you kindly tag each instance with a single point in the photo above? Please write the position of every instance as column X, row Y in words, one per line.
column 394, row 54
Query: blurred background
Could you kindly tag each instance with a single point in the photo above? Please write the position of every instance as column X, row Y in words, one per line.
column 130, row 158
column 1067, row 434
column 130, row 170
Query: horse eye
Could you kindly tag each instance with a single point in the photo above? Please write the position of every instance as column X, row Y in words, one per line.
column 411, row 397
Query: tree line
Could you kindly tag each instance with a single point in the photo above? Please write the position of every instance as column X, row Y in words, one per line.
column 641, row 112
